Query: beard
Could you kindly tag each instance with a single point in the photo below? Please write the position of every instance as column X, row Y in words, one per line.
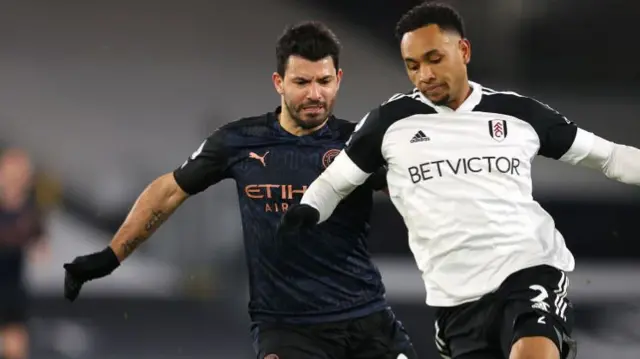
column 308, row 121
column 443, row 101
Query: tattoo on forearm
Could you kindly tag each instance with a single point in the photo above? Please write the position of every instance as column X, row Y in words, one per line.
column 157, row 217
column 129, row 246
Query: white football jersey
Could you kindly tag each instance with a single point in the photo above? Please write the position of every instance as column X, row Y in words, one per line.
column 462, row 182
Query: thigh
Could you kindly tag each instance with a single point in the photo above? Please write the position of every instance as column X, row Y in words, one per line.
column 537, row 306
column 293, row 342
column 465, row 331
column 379, row 336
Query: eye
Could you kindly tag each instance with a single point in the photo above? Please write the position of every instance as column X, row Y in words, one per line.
column 413, row 67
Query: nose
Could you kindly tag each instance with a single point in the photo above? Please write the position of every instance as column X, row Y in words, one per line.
column 426, row 74
column 314, row 92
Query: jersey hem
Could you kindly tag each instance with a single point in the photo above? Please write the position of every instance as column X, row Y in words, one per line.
column 291, row 318
column 449, row 302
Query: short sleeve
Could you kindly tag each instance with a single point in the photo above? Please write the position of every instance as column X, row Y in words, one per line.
column 556, row 133
column 378, row 180
column 208, row 165
column 364, row 146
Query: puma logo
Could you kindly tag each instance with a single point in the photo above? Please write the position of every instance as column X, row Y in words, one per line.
column 255, row 156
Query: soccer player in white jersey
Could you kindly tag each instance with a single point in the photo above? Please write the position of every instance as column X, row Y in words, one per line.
column 459, row 172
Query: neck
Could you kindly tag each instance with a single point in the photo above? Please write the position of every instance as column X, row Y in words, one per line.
column 463, row 95
column 290, row 125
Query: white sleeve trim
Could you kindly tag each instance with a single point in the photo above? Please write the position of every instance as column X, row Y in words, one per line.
column 581, row 147
column 334, row 184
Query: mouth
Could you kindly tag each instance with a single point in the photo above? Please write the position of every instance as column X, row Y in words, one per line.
column 313, row 109
column 433, row 88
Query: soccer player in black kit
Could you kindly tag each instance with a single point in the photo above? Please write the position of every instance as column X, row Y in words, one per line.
column 22, row 238
column 313, row 295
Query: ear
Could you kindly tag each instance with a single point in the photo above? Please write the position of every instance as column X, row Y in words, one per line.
column 278, row 83
column 339, row 77
column 465, row 49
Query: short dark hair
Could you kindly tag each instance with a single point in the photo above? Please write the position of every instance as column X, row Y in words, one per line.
column 430, row 13
column 311, row 40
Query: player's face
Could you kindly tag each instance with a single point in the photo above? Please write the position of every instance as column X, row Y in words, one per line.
column 308, row 90
column 436, row 62
column 15, row 171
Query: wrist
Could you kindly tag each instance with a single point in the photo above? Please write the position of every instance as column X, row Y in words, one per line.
column 110, row 256
column 119, row 255
column 106, row 262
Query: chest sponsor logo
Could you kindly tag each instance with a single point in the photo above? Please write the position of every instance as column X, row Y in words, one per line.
column 276, row 197
column 462, row 166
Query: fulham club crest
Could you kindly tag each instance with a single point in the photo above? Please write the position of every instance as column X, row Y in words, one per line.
column 498, row 129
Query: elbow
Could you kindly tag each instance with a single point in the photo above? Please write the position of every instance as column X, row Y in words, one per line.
column 168, row 188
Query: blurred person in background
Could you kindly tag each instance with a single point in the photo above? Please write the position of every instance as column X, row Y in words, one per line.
column 459, row 159
column 315, row 295
column 21, row 235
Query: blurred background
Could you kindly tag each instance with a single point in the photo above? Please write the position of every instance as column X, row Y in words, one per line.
column 106, row 95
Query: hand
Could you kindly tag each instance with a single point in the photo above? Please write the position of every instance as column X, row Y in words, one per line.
column 297, row 218
column 40, row 252
column 86, row 268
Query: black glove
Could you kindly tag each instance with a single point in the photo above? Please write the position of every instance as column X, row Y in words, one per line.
column 297, row 218
column 86, row 268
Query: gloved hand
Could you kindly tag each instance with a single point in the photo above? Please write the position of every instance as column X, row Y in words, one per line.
column 297, row 218
column 86, row 268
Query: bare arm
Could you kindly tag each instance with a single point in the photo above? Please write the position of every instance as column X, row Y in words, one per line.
column 154, row 206
column 205, row 167
column 208, row 165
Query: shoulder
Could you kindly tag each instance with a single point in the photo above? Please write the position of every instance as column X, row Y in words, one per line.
column 236, row 133
column 513, row 104
column 247, row 125
column 402, row 105
column 396, row 108
column 342, row 128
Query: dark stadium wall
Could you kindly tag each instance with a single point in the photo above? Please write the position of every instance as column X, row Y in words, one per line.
column 378, row 16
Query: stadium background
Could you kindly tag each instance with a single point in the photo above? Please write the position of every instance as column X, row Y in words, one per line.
column 107, row 95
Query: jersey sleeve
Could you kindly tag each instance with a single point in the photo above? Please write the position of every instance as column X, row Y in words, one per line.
column 378, row 180
column 335, row 183
column 364, row 147
column 559, row 137
column 208, row 165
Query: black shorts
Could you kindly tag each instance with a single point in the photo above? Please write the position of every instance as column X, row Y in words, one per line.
column 531, row 302
column 13, row 306
column 376, row 336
